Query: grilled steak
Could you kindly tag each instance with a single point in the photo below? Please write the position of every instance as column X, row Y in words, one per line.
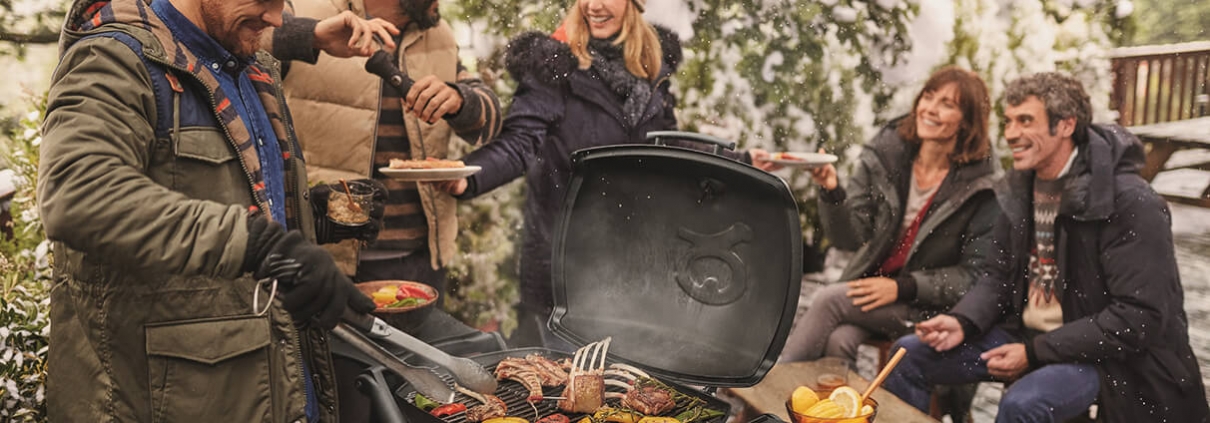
column 649, row 400
column 494, row 407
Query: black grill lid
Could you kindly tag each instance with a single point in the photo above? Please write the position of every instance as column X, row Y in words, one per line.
column 690, row 261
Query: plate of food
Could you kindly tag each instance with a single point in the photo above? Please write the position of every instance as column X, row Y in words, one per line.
column 802, row 159
column 428, row 170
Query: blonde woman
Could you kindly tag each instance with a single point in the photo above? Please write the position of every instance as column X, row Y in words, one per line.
column 600, row 79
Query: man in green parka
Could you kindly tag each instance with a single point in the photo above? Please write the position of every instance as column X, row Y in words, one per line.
column 170, row 181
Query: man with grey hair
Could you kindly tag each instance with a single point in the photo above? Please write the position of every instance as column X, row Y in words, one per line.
column 1081, row 299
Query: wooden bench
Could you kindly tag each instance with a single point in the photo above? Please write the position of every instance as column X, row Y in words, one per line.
column 1161, row 140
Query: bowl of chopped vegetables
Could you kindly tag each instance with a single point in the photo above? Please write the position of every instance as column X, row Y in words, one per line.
column 394, row 297
column 402, row 304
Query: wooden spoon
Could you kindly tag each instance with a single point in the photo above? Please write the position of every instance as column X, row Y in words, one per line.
column 356, row 208
column 886, row 370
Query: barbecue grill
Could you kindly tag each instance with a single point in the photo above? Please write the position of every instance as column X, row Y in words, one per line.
column 691, row 262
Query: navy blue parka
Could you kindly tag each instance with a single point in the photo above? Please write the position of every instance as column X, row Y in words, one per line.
column 1121, row 294
column 557, row 109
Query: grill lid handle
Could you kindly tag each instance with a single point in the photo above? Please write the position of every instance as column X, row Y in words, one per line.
column 659, row 138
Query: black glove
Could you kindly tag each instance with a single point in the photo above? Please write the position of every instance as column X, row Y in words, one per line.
column 311, row 287
column 328, row 231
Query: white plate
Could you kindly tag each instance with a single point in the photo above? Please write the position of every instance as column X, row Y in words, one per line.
column 428, row 175
column 802, row 159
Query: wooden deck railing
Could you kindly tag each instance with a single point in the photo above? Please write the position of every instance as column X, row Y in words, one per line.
column 1163, row 83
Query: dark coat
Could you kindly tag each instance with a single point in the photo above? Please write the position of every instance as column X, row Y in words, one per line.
column 954, row 238
column 556, row 110
column 1123, row 305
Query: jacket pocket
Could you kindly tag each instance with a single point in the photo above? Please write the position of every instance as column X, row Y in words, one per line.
column 209, row 370
column 204, row 144
column 1176, row 370
column 202, row 164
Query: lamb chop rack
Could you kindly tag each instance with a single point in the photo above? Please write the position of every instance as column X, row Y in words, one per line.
column 585, row 390
column 533, row 372
column 491, row 406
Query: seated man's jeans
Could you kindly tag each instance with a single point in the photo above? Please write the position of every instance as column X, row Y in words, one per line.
column 1055, row 392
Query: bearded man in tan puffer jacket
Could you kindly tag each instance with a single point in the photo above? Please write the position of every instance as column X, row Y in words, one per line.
column 350, row 124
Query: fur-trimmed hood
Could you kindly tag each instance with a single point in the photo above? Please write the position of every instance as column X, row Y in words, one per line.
column 550, row 60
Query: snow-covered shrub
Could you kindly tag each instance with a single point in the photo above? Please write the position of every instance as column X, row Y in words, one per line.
column 25, row 273
column 794, row 76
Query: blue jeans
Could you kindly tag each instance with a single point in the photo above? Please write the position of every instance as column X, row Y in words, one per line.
column 1055, row 392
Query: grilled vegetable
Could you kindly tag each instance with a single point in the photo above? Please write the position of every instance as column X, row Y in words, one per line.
column 424, row 403
column 696, row 414
column 506, row 420
column 448, row 410
column 554, row 418
column 656, row 419
column 616, row 415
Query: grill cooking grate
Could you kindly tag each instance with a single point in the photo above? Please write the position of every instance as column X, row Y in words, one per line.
column 514, row 394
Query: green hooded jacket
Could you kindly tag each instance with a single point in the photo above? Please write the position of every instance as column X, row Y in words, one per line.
column 152, row 317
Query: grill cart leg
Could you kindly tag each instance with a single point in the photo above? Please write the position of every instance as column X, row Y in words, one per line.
column 374, row 385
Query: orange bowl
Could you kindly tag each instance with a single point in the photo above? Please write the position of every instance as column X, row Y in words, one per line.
column 369, row 288
column 802, row 418
column 408, row 318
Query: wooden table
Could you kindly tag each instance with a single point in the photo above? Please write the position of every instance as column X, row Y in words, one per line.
column 1160, row 140
column 769, row 396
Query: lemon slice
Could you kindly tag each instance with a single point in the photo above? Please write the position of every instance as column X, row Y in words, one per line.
column 802, row 399
column 848, row 399
column 826, row 409
column 866, row 410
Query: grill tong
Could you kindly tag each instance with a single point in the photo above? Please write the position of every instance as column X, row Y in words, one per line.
column 466, row 372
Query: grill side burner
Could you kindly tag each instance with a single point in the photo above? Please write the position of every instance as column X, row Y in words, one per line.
column 514, row 394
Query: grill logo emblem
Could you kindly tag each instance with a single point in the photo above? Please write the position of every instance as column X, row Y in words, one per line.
column 711, row 271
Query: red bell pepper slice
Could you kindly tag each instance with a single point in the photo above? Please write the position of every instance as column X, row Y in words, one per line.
column 554, row 418
column 448, row 409
column 408, row 291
